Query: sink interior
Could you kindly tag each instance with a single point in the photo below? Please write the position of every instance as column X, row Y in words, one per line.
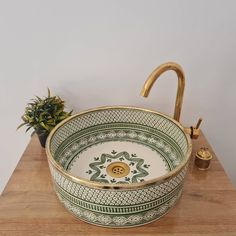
column 119, row 145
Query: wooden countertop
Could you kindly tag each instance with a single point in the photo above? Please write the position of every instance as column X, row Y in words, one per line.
column 29, row 206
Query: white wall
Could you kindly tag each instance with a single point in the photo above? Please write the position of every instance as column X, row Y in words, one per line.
column 95, row 53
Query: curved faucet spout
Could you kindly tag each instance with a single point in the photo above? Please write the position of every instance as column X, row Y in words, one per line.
column 181, row 83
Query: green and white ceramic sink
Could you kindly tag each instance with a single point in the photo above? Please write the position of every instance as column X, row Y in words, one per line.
column 121, row 166
column 118, row 166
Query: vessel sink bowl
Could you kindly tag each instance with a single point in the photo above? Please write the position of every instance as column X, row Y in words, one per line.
column 118, row 166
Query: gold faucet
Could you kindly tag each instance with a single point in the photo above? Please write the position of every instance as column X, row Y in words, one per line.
column 193, row 131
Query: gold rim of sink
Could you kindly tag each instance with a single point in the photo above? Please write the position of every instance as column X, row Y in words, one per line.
column 98, row 185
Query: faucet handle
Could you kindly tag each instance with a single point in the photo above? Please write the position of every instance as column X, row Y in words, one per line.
column 194, row 132
column 198, row 123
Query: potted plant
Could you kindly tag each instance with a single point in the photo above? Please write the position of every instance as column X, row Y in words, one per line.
column 43, row 114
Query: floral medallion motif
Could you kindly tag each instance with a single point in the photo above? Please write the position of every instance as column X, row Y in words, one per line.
column 137, row 168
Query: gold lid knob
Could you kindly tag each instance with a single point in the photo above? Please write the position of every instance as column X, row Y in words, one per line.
column 204, row 154
column 203, row 158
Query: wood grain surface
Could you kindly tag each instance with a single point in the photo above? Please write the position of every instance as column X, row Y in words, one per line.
column 29, row 206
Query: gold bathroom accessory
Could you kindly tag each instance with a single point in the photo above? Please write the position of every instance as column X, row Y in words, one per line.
column 203, row 158
column 192, row 131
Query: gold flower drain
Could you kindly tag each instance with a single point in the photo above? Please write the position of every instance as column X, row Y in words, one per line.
column 118, row 169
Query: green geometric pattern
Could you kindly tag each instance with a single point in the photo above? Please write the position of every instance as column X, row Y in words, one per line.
column 117, row 197
column 149, row 137
column 94, row 206
column 119, row 221
column 118, row 207
column 119, row 115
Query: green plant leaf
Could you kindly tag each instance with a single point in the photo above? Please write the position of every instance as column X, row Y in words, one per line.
column 40, row 99
column 21, row 125
column 24, row 118
column 28, row 129
column 49, row 93
column 44, row 126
